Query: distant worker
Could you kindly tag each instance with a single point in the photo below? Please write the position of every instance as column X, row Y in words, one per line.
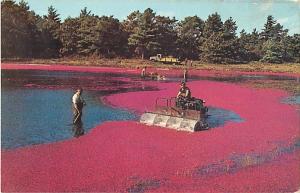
column 143, row 73
column 185, row 75
column 153, row 75
column 191, row 63
column 185, row 62
column 78, row 104
column 161, row 77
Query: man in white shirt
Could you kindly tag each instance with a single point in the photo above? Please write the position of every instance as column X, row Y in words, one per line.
column 78, row 103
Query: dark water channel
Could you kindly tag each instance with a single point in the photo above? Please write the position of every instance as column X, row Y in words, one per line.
column 36, row 104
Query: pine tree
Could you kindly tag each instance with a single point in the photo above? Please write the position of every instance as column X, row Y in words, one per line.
column 211, row 50
column 110, row 39
column 86, row 35
column 18, row 30
column 50, row 33
column 273, row 52
column 220, row 44
column 190, row 31
column 291, row 48
column 165, row 35
column 213, row 24
column 232, row 50
column 143, row 37
column 84, row 12
column 25, row 34
column 69, row 36
column 273, row 36
column 268, row 31
column 131, row 22
column 252, row 46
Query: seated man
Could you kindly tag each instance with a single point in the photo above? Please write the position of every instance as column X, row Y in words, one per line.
column 184, row 91
column 184, row 95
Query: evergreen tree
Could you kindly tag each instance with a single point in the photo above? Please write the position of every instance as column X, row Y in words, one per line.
column 291, row 48
column 24, row 5
column 295, row 45
column 18, row 30
column 110, row 39
column 69, row 36
column 252, row 46
column 50, row 33
column 273, row 36
column 232, row 50
column 25, row 34
column 210, row 48
column 213, row 24
column 273, row 52
column 84, row 12
column 165, row 35
column 268, row 31
column 53, row 16
column 131, row 22
column 129, row 26
column 190, row 31
column 86, row 35
column 143, row 37
column 229, row 29
column 220, row 44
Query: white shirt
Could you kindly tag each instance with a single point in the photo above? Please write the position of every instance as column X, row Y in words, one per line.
column 77, row 99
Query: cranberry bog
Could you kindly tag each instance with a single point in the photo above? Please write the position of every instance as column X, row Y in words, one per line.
column 255, row 148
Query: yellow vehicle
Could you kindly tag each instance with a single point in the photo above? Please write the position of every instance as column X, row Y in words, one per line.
column 167, row 59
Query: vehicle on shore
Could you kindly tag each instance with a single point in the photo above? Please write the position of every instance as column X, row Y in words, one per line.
column 165, row 59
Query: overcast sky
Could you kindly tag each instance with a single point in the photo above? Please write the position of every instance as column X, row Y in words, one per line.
column 248, row 14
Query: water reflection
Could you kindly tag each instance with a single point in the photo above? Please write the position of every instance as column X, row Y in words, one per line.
column 78, row 129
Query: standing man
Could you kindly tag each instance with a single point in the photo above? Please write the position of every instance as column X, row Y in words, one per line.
column 185, row 62
column 185, row 74
column 78, row 104
column 143, row 73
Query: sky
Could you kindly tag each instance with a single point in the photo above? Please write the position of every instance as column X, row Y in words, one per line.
column 248, row 14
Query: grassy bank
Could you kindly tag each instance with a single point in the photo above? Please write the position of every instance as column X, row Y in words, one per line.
column 134, row 63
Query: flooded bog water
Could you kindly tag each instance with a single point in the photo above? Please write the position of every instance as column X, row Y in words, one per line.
column 36, row 104
column 34, row 116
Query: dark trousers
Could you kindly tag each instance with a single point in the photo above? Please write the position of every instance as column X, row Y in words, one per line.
column 77, row 115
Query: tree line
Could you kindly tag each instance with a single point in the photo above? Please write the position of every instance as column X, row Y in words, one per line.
column 25, row 34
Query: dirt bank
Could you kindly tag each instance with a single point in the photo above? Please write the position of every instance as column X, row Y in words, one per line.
column 164, row 70
column 292, row 68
